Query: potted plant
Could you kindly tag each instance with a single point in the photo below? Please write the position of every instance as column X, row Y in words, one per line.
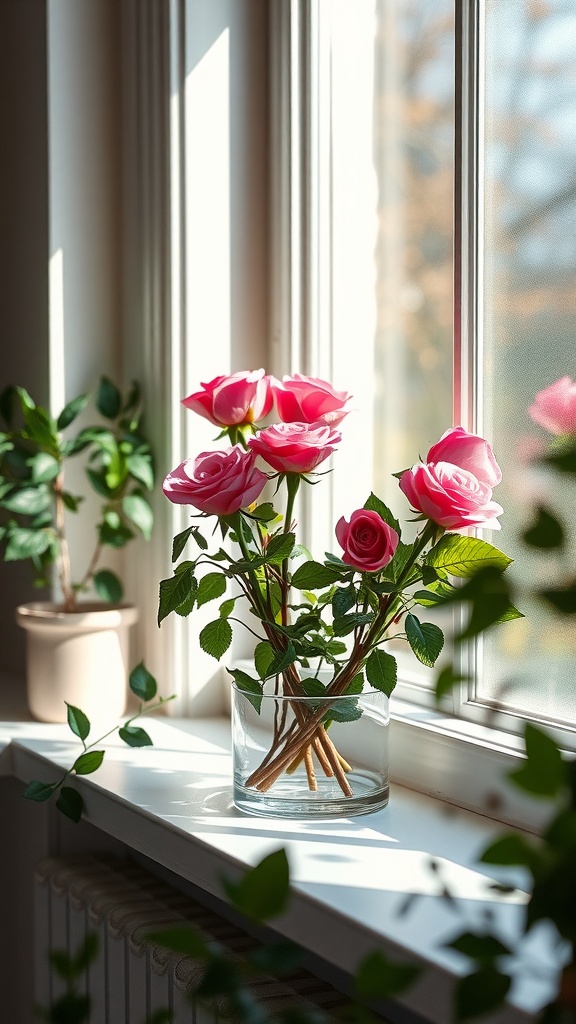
column 77, row 646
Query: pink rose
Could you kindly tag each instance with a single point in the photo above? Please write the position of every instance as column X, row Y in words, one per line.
column 450, row 496
column 233, row 401
column 555, row 407
column 216, row 482
column 309, row 400
column 295, row 447
column 469, row 452
column 369, row 543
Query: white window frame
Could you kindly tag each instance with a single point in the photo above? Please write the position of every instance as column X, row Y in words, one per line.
column 432, row 750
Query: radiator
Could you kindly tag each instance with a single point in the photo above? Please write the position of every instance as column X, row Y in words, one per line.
column 131, row 978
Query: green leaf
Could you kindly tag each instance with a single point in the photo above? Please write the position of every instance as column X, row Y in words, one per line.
column 546, row 531
column 382, row 671
column 39, row 791
column 562, row 598
column 343, row 599
column 100, row 484
column 511, row 851
column 70, row 803
column 142, row 682
column 264, row 513
column 344, row 624
column 463, row 556
column 78, row 721
column 185, row 940
column 216, row 638
column 379, row 977
column 563, row 460
column 211, row 586
column 446, row 680
column 134, row 736
column 252, row 688
column 345, row 709
column 28, row 501
column 282, row 660
column 227, row 607
column 139, row 512
column 277, row 958
column 376, row 505
column 41, row 429
column 482, row 948
column 314, row 576
column 263, row 658
column 140, row 467
column 313, row 687
column 180, row 541
column 24, row 543
column 108, row 399
column 86, row 954
column 44, row 467
column 480, row 992
column 543, row 772
column 108, row 586
column 425, row 639
column 279, row 548
column 88, row 762
column 71, row 411
column 263, row 892
column 175, row 591
column 71, row 501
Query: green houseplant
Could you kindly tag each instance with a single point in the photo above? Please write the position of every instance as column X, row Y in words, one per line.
column 35, row 503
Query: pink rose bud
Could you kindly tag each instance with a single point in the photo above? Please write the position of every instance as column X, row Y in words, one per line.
column 309, row 400
column 233, row 401
column 470, row 452
column 218, row 483
column 368, row 542
column 555, row 407
column 295, row 447
column 450, row 496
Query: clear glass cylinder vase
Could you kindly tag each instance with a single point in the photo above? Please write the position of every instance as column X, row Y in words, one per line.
column 310, row 757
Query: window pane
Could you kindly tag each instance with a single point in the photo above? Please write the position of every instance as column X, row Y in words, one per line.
column 529, row 314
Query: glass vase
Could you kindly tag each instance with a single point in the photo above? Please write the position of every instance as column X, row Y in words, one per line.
column 310, row 757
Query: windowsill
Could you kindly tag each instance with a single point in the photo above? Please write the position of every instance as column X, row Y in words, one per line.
column 351, row 877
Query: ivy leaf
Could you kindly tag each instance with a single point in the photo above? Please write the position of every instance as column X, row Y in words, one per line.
column 543, row 772
column 379, row 977
column 314, row 576
column 134, row 736
column 374, row 504
column 216, row 638
column 211, row 586
column 279, row 548
column 463, row 556
column 108, row 399
column 71, row 411
column 425, row 639
column 139, row 512
column 251, row 688
column 142, row 682
column 480, row 992
column 108, row 586
column 546, row 531
column 39, row 791
column 88, row 762
column 263, row 892
column 70, row 803
column 78, row 721
column 382, row 671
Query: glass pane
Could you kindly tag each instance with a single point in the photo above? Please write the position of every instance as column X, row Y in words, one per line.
column 413, row 154
column 530, row 319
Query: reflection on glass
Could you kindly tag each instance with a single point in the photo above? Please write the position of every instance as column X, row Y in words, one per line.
column 530, row 318
column 413, row 154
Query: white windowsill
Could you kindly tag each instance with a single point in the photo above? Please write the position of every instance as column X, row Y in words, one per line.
column 350, row 877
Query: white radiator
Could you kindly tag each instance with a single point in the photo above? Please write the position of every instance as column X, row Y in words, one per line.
column 131, row 978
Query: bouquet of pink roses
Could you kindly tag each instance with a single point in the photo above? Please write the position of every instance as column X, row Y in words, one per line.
column 322, row 626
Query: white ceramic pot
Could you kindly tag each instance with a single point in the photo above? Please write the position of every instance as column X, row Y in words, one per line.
column 80, row 657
